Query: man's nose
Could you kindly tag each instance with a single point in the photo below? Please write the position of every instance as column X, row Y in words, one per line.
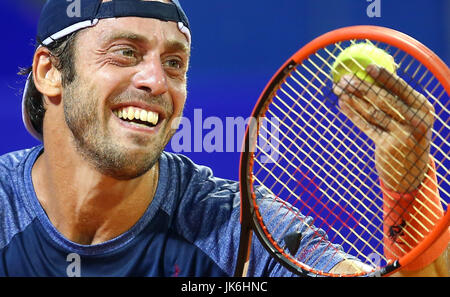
column 152, row 77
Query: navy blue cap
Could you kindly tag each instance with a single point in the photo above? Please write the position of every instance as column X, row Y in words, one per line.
column 60, row 18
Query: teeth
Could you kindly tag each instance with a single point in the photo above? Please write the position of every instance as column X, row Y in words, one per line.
column 131, row 113
column 151, row 117
column 143, row 115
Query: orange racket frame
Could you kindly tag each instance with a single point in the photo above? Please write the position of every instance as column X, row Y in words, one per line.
column 250, row 217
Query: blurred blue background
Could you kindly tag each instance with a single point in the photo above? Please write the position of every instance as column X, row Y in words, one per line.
column 237, row 47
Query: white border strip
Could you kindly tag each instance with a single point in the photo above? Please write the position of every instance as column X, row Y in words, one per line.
column 69, row 30
column 89, row 23
column 185, row 31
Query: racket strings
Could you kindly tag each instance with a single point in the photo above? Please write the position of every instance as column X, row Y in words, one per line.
column 337, row 233
column 297, row 200
column 376, row 108
column 420, row 224
column 409, row 65
column 329, row 157
column 317, row 143
column 418, row 84
column 345, row 239
column 394, row 167
column 321, row 236
column 286, row 115
column 294, row 154
column 294, row 122
column 294, row 149
column 291, row 110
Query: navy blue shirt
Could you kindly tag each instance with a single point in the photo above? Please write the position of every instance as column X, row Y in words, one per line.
column 191, row 228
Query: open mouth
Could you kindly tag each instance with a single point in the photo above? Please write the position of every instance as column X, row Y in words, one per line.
column 137, row 116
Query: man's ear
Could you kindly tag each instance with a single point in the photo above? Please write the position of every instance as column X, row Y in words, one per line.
column 46, row 77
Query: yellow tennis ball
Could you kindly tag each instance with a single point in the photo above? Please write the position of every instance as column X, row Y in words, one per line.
column 355, row 58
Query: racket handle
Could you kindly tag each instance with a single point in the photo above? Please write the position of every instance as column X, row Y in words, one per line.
column 409, row 217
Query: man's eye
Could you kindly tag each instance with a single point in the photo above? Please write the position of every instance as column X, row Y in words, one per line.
column 173, row 64
column 129, row 53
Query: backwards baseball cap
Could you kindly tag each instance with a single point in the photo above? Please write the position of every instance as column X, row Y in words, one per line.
column 61, row 18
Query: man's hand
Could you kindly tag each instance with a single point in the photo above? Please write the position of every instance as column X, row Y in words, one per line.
column 397, row 118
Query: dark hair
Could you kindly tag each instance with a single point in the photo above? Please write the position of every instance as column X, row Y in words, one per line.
column 62, row 57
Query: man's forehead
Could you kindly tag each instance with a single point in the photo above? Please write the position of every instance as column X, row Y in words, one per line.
column 142, row 30
column 162, row 1
column 137, row 28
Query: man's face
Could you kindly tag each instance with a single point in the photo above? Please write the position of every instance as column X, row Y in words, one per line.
column 126, row 67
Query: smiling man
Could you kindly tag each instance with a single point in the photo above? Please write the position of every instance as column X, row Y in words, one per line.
column 104, row 95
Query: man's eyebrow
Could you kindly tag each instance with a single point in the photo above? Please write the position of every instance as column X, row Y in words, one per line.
column 175, row 46
column 170, row 45
column 124, row 35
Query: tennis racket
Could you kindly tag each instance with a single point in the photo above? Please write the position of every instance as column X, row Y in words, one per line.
column 310, row 188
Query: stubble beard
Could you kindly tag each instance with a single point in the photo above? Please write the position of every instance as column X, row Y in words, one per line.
column 97, row 146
